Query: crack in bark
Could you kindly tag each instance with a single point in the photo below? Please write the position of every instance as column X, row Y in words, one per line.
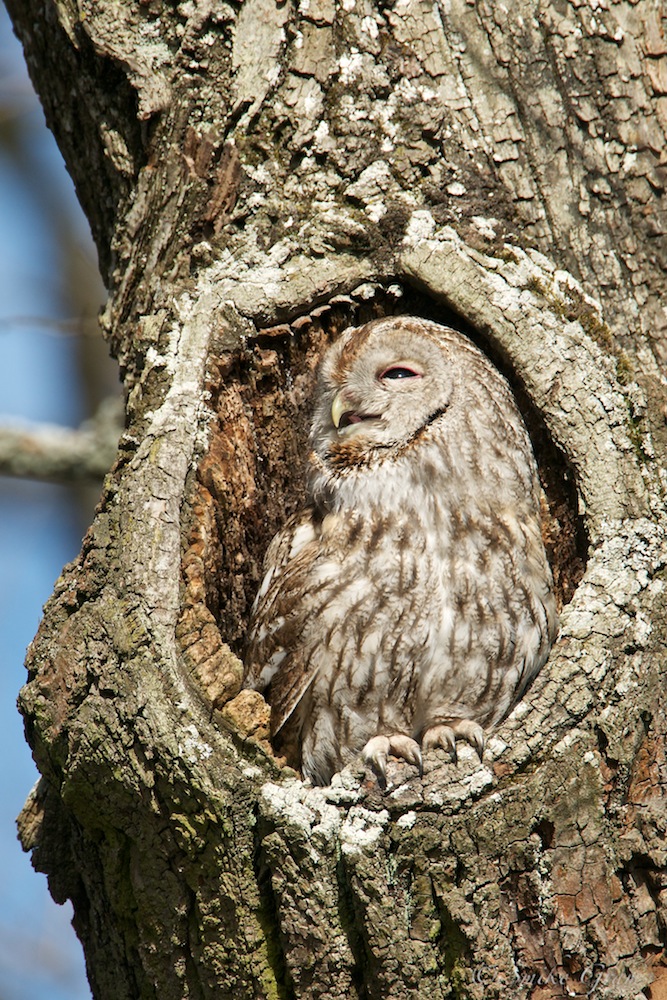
column 269, row 912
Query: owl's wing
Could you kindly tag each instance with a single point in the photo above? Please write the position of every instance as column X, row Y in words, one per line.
column 278, row 617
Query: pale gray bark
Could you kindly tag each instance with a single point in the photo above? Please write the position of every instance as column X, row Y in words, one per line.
column 257, row 178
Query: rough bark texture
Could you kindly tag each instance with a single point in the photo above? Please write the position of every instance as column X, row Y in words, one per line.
column 257, row 176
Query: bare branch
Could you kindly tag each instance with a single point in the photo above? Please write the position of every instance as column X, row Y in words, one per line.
column 61, row 454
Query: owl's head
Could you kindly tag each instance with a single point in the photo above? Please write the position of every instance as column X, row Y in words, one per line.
column 383, row 384
column 403, row 402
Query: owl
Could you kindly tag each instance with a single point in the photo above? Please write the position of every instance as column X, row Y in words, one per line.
column 411, row 602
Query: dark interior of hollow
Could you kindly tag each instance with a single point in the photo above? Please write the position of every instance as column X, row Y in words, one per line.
column 270, row 384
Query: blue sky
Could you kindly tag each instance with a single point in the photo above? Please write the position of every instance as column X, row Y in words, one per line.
column 40, row 529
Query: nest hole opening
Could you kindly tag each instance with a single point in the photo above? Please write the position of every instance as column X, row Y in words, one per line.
column 252, row 477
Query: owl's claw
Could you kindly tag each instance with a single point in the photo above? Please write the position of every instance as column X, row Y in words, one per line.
column 379, row 747
column 472, row 733
column 445, row 736
column 441, row 736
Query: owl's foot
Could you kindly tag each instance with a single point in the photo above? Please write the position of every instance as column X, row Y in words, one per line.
column 379, row 747
column 445, row 736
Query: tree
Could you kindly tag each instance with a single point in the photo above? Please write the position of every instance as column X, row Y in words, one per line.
column 257, row 176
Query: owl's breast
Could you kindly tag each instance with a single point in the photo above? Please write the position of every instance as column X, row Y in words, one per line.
column 432, row 615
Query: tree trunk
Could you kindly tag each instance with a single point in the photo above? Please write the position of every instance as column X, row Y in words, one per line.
column 257, row 177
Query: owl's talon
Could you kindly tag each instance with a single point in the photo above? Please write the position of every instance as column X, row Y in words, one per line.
column 441, row 736
column 375, row 754
column 472, row 733
column 408, row 749
column 445, row 736
column 378, row 748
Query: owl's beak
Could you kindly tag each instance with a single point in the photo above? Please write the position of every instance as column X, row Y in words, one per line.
column 338, row 408
column 343, row 415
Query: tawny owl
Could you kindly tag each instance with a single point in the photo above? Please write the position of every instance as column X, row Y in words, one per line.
column 410, row 603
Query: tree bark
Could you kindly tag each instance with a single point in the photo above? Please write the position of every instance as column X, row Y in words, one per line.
column 257, row 177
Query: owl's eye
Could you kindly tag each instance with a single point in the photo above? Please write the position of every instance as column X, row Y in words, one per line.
column 399, row 372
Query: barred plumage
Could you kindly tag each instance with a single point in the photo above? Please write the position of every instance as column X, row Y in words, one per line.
column 411, row 602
